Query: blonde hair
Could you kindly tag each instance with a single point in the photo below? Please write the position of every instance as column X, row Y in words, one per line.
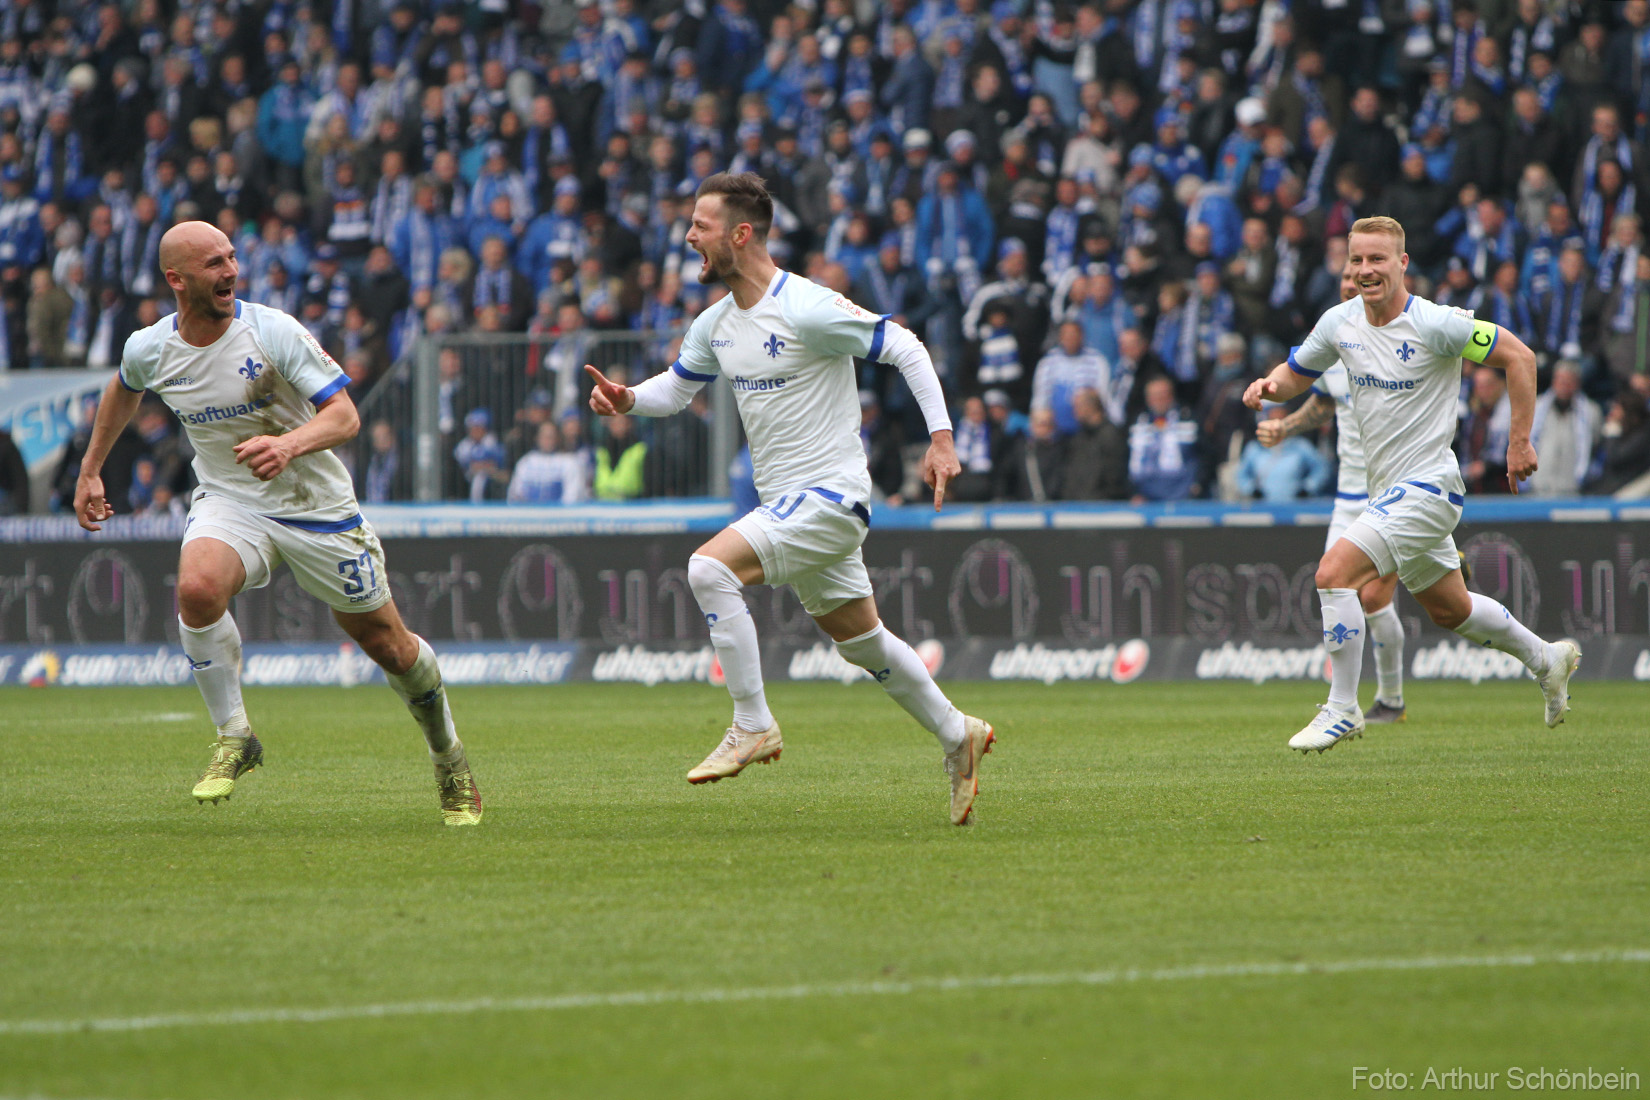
column 1388, row 226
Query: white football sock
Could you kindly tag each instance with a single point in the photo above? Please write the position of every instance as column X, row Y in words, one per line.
column 421, row 689
column 734, row 635
column 215, row 654
column 1386, row 630
column 1493, row 625
column 902, row 674
column 1343, row 637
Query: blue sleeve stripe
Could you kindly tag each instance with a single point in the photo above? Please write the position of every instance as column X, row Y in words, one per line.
column 328, row 390
column 877, row 335
column 783, row 275
column 121, row 374
column 691, row 376
column 1298, row 369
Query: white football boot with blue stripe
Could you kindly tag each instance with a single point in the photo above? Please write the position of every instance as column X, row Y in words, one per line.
column 1329, row 729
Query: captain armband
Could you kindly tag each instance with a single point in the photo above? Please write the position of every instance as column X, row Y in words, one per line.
column 1482, row 341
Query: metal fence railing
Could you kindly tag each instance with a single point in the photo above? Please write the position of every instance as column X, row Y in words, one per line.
column 463, row 412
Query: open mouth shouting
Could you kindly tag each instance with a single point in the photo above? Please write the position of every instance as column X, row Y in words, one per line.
column 224, row 294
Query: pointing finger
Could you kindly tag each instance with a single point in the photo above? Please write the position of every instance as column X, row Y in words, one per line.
column 939, row 490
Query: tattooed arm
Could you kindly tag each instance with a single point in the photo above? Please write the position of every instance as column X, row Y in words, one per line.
column 1318, row 411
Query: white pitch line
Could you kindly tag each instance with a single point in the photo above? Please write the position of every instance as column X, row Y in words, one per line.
column 566, row 1001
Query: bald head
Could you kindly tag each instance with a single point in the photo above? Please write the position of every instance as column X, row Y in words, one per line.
column 198, row 262
column 188, row 241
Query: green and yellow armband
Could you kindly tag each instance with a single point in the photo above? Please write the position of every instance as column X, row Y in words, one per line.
column 1482, row 342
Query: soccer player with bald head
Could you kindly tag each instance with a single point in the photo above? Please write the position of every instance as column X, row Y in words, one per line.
column 263, row 406
column 1401, row 354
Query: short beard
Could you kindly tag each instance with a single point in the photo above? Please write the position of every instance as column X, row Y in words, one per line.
column 714, row 272
column 207, row 305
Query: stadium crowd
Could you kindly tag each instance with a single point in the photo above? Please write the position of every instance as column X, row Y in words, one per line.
column 1103, row 218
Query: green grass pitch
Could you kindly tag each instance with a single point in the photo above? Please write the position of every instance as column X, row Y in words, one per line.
column 800, row 922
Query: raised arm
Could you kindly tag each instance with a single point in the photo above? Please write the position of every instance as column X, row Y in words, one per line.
column 1285, row 383
column 113, row 413
column 665, row 394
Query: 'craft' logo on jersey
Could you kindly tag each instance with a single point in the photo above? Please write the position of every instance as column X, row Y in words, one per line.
column 774, row 346
column 251, row 369
column 1405, row 352
column 181, row 380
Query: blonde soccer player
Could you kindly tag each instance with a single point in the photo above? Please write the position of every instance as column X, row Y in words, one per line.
column 1401, row 353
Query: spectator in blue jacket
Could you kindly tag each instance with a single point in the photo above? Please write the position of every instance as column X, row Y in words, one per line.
column 910, row 87
column 729, row 47
column 954, row 227
column 22, row 240
column 283, row 115
column 1294, row 468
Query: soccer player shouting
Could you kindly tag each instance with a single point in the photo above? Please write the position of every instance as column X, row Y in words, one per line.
column 1400, row 354
column 787, row 346
column 263, row 405
column 1332, row 398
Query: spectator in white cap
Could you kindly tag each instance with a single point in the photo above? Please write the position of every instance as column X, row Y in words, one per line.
column 916, row 176
column 1242, row 145
column 963, row 150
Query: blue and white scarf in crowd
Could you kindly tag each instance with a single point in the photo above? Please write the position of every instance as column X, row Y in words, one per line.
column 1617, row 263
column 1460, row 62
column 140, row 245
column 45, row 172
column 1527, row 40
column 391, row 203
column 1060, row 244
column 1564, row 304
column 1594, row 219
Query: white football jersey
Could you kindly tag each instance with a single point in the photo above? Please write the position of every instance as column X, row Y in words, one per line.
column 1404, row 379
column 263, row 376
column 790, row 359
column 1351, row 480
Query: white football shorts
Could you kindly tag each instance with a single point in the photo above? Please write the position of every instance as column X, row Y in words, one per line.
column 343, row 569
column 1347, row 511
column 1408, row 530
column 810, row 539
